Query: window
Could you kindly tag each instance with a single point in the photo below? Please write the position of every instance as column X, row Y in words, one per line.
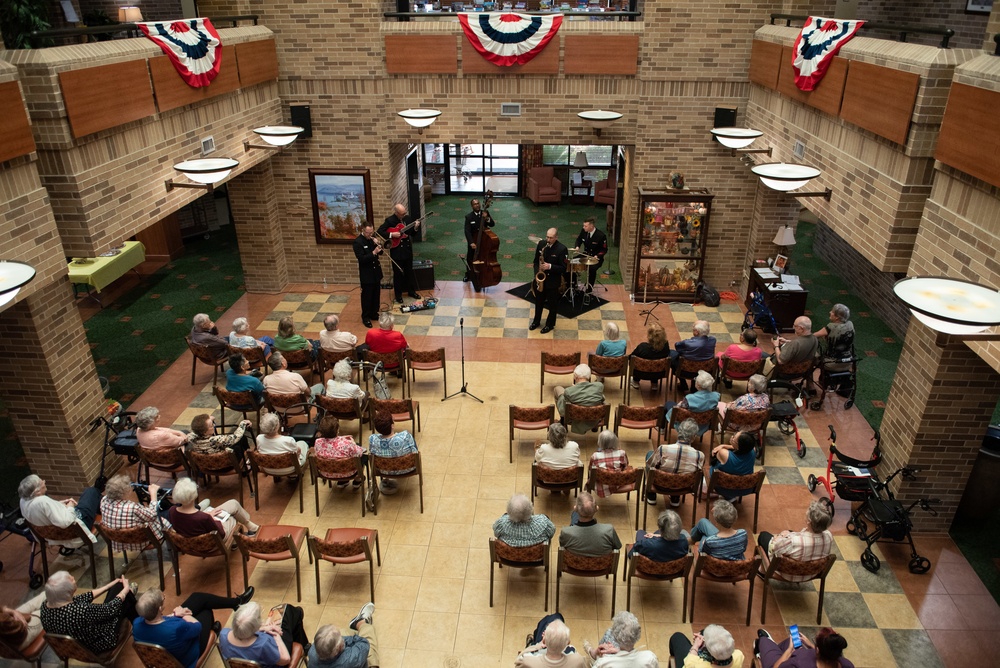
column 562, row 155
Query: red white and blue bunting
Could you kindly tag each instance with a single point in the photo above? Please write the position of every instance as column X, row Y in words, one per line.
column 192, row 45
column 506, row 39
column 816, row 45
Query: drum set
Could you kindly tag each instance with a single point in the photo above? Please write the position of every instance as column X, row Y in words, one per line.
column 578, row 266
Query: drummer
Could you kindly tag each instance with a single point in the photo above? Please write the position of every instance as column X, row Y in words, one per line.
column 591, row 246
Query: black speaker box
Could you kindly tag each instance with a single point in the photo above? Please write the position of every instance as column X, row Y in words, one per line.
column 303, row 118
column 423, row 273
column 725, row 117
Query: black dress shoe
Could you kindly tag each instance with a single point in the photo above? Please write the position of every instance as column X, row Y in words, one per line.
column 415, row 295
column 547, row 329
column 533, row 326
column 217, row 627
column 465, row 279
column 398, row 300
column 367, row 323
column 245, row 597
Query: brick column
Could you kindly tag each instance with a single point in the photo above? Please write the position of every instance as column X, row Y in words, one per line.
column 52, row 390
column 939, row 406
column 254, row 204
column 771, row 209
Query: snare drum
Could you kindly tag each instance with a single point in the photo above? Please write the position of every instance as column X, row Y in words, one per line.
column 576, row 265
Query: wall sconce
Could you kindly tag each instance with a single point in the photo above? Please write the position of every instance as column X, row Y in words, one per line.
column 13, row 277
column 784, row 238
column 205, row 172
column 786, row 177
column 599, row 119
column 275, row 136
column 130, row 14
column 738, row 139
column 419, row 118
column 956, row 309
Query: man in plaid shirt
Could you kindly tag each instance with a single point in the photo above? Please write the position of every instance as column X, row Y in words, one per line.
column 813, row 542
column 677, row 457
column 519, row 527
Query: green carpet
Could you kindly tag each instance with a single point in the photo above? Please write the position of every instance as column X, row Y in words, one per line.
column 516, row 218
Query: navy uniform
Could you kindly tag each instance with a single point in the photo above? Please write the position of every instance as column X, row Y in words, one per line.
column 554, row 254
column 596, row 244
column 370, row 275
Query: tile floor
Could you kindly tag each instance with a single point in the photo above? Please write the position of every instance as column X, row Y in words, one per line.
column 432, row 589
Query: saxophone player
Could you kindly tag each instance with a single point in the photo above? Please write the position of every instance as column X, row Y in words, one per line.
column 550, row 259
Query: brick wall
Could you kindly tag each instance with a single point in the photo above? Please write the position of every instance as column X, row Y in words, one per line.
column 259, row 231
column 969, row 28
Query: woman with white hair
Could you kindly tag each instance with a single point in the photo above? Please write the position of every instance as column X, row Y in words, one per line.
column 704, row 398
column 270, row 643
column 839, row 331
column 612, row 345
column 93, row 625
column 271, row 442
column 669, row 543
column 340, row 386
column 609, row 456
column 712, row 647
column 550, row 647
column 120, row 512
column 755, row 399
column 721, row 540
column 617, row 648
column 558, row 452
column 520, row 527
column 240, row 337
column 152, row 436
column 191, row 520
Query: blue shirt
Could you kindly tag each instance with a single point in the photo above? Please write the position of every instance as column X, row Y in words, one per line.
column 236, row 382
column 697, row 348
column 355, row 655
column 658, row 549
column 264, row 649
column 177, row 636
column 732, row 548
column 610, row 348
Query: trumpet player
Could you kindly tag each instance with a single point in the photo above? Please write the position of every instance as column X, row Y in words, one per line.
column 550, row 261
column 593, row 243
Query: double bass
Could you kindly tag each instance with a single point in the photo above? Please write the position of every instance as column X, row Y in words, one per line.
column 485, row 269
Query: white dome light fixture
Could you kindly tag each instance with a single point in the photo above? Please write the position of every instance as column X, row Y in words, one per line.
column 205, row 172
column 275, row 136
column 13, row 277
column 958, row 310
column 738, row 139
column 786, row 177
column 599, row 119
column 419, row 118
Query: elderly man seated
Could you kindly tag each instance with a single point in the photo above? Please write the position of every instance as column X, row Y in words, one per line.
column 186, row 630
column 813, row 542
column 281, row 380
column 42, row 510
column 385, row 339
column 519, row 527
column 152, row 436
column 550, row 647
column 119, row 512
column 582, row 392
column 93, row 625
column 677, row 457
column 586, row 536
column 617, row 648
column 333, row 339
column 698, row 348
column 270, row 643
column 332, row 649
column 803, row 347
column 205, row 333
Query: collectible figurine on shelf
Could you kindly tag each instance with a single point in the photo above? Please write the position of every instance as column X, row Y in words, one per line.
column 676, row 180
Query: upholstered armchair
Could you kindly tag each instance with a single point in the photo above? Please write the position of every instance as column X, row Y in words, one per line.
column 605, row 191
column 543, row 186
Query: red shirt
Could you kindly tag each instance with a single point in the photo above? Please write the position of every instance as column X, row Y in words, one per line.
column 385, row 341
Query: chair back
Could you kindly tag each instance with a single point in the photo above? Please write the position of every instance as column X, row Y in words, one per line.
column 68, row 648
column 675, row 484
column 357, row 549
column 621, row 481
column 527, row 556
column 532, row 417
column 203, row 545
column 550, row 476
column 203, row 353
column 401, row 410
column 752, row 421
column 255, row 356
column 793, row 371
column 722, row 481
column 162, row 459
column 425, row 360
column 344, row 468
column 647, row 416
column 236, row 401
column 689, row 368
column 341, row 408
column 392, row 360
column 560, row 363
column 410, row 460
column 725, row 570
column 49, row 532
column 650, row 366
column 607, row 367
column 594, row 567
column 802, row 571
column 542, row 175
column 263, row 463
column 704, row 419
column 298, row 360
column 737, row 370
column 155, row 656
column 600, row 414
column 266, row 546
column 215, row 463
column 139, row 535
column 328, row 358
column 288, row 405
column 646, row 568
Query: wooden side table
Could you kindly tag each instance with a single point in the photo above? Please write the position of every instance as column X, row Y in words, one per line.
column 579, row 193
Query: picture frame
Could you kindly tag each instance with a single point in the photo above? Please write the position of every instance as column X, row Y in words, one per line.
column 978, row 6
column 342, row 203
column 780, row 261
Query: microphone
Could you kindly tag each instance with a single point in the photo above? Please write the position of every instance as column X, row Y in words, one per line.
column 461, row 322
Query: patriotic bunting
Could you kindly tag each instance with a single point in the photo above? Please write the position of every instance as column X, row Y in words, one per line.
column 816, row 45
column 506, row 39
column 192, row 45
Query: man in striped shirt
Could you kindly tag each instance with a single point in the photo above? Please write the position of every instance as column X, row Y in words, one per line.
column 813, row 542
column 519, row 527
column 677, row 457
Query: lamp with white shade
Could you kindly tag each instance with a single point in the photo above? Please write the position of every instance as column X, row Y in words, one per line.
column 599, row 119
column 784, row 238
column 419, row 118
column 958, row 310
column 580, row 160
column 205, row 172
column 737, row 139
column 274, row 136
column 13, row 277
column 786, row 177
column 129, row 14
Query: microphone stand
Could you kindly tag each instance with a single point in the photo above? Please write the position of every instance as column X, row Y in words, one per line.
column 649, row 312
column 464, row 390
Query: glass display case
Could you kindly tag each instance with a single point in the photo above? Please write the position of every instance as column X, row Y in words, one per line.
column 673, row 228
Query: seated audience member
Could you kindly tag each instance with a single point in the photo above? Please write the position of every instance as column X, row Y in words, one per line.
column 240, row 337
column 722, row 542
column 44, row 511
column 93, row 625
column 653, row 348
column 677, row 457
column 204, row 440
column 839, row 333
column 755, row 399
column 519, row 527
column 385, row 339
column 704, row 398
column 287, row 340
column 334, row 339
column 813, row 542
column 271, row 442
column 281, row 380
column 827, row 651
column 190, row 520
column 239, row 379
column 583, row 392
column 333, row 649
column 270, row 643
column 585, row 536
column 803, row 347
column 736, row 457
column 21, row 625
column 205, row 333
column 331, row 446
column 387, row 442
column 669, row 543
column 119, row 512
column 151, row 435
column 185, row 631
column 340, row 386
column 612, row 345
column 617, row 648
column 550, row 647
column 558, row 452
column 746, row 350
column 712, row 647
column 698, row 348
column 609, row 456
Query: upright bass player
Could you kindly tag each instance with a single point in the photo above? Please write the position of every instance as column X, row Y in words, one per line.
column 474, row 221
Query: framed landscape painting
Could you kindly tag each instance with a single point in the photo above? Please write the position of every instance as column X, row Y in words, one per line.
column 342, row 202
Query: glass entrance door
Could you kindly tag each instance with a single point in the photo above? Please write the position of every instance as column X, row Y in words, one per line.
column 476, row 168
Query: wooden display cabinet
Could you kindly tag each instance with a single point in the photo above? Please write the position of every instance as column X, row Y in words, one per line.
column 673, row 229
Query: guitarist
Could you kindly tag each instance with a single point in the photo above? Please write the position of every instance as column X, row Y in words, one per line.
column 473, row 222
column 402, row 254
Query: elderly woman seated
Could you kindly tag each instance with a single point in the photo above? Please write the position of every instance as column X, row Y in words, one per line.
column 519, row 527
column 42, row 510
column 240, row 337
column 609, row 456
column 712, row 647
column 755, row 399
column 612, row 345
column 288, row 340
column 271, row 442
column 119, row 512
column 704, row 398
column 550, row 647
column 191, row 520
column 814, row 541
column 331, row 446
column 558, row 452
column 151, row 435
column 270, row 643
column 617, row 648
column 669, row 543
column 387, row 442
column 93, row 625
column 340, row 386
column 21, row 625
column 722, row 541
column 204, row 440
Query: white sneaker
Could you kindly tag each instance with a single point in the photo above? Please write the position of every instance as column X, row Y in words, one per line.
column 365, row 615
column 204, row 504
column 633, row 384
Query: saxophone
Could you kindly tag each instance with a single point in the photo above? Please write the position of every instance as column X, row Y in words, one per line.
column 539, row 283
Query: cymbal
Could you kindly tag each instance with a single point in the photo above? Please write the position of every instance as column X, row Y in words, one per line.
column 591, row 261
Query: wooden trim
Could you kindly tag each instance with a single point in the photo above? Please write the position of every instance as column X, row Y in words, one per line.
column 172, row 92
column 546, row 62
column 102, row 97
column 969, row 139
column 880, row 99
column 421, row 54
column 15, row 130
column 765, row 63
column 826, row 96
column 601, row 54
column 257, row 62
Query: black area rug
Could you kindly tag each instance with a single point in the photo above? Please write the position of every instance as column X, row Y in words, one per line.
column 564, row 308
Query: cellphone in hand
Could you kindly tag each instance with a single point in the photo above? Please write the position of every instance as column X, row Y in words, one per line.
column 793, row 632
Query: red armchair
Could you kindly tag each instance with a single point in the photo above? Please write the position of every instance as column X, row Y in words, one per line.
column 606, row 191
column 543, row 186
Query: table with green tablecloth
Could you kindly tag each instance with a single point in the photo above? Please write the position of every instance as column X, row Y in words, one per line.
column 100, row 272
